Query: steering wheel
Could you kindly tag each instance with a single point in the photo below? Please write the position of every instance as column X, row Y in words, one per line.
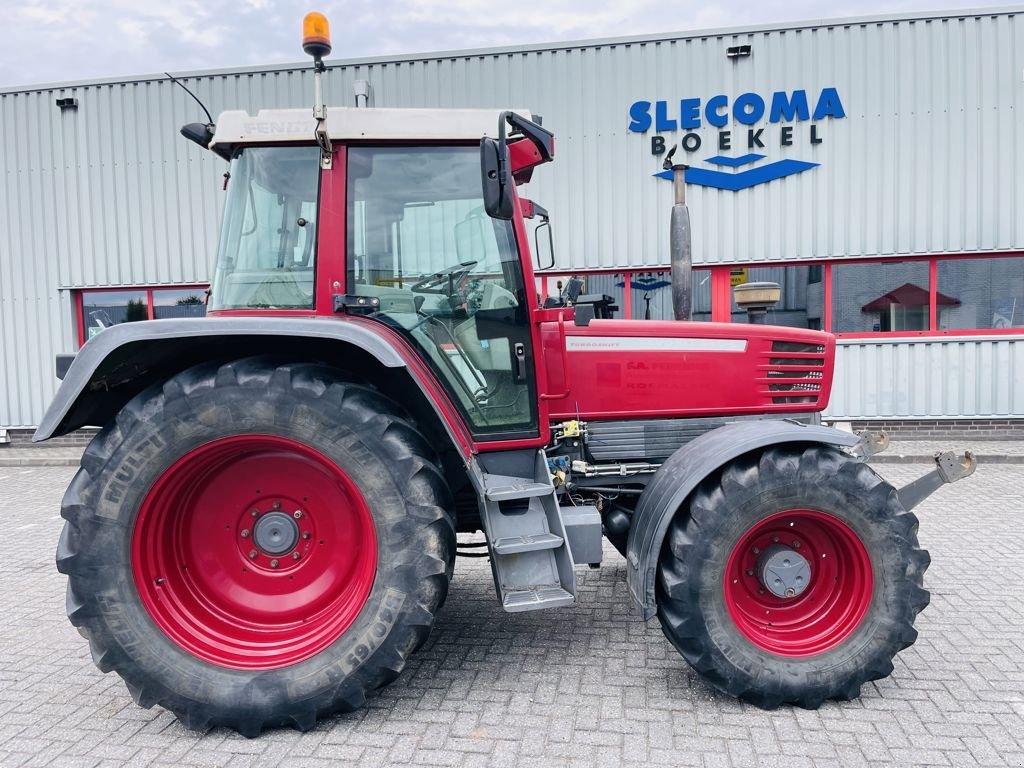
column 444, row 280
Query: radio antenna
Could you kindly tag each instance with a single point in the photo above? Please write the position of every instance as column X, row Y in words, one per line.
column 180, row 84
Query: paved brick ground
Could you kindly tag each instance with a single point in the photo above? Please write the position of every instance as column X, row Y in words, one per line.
column 590, row 686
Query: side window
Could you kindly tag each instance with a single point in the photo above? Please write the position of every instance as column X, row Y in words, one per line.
column 446, row 274
column 267, row 253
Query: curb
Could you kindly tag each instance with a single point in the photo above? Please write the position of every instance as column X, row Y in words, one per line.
column 39, row 462
column 993, row 458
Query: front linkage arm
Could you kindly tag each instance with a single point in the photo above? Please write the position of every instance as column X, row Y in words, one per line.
column 948, row 468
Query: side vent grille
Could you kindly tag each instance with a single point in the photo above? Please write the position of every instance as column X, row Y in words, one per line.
column 794, row 372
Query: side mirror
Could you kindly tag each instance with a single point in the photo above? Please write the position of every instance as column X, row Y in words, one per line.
column 495, row 179
column 544, row 246
column 202, row 134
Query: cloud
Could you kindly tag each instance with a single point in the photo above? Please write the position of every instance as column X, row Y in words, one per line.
column 60, row 40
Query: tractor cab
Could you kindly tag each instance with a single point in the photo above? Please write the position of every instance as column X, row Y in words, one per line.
column 405, row 220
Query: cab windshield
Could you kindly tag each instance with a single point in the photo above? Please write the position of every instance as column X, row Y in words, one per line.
column 267, row 253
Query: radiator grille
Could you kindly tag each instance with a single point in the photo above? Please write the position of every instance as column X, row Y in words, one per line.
column 794, row 372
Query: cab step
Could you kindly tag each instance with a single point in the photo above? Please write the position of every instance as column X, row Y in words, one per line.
column 511, row 545
column 504, row 487
column 536, row 598
column 530, row 555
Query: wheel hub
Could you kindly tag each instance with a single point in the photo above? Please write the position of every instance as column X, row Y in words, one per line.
column 275, row 533
column 783, row 571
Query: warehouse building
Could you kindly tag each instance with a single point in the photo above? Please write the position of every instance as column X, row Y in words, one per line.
column 871, row 166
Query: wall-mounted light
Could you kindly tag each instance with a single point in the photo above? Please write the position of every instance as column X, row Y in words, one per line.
column 737, row 51
column 361, row 89
column 67, row 103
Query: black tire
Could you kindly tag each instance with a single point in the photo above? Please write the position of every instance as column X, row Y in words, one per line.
column 691, row 590
column 351, row 424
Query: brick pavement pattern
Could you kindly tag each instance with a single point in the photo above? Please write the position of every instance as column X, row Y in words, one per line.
column 586, row 686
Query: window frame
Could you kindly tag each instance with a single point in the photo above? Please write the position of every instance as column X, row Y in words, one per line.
column 721, row 291
column 79, row 293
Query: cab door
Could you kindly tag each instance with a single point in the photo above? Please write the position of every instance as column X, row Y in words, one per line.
column 448, row 278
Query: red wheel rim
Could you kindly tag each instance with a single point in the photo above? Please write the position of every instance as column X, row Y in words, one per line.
column 827, row 611
column 215, row 591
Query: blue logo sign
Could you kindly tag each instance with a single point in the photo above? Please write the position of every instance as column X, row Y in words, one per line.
column 741, row 179
column 780, row 111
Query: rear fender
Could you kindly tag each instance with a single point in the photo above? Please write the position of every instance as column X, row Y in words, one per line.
column 684, row 470
column 123, row 360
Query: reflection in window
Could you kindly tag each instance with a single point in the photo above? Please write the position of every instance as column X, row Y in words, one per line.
column 176, row 303
column 983, row 293
column 881, row 297
column 102, row 309
column 803, row 295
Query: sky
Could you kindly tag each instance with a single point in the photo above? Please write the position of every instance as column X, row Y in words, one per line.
column 59, row 40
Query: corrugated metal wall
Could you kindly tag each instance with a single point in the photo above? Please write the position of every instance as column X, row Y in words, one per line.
column 927, row 160
column 929, row 378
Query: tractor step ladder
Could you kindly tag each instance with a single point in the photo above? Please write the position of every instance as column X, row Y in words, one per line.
column 530, row 555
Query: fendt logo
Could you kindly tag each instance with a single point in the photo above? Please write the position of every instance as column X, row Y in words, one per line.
column 784, row 109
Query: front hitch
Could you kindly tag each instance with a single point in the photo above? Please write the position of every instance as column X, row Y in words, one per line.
column 948, row 469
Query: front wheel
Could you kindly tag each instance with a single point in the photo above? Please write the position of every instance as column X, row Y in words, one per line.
column 256, row 544
column 793, row 576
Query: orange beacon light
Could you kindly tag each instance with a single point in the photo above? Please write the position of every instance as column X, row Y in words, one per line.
column 316, row 35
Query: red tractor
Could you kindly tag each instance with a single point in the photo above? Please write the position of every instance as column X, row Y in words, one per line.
column 265, row 527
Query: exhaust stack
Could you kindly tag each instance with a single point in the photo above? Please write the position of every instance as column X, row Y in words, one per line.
column 680, row 256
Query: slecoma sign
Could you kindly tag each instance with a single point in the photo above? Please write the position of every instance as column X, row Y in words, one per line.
column 738, row 130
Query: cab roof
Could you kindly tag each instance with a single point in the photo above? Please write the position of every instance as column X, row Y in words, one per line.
column 358, row 123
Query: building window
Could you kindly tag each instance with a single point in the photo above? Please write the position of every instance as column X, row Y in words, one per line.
column 102, row 308
column 980, row 293
column 651, row 295
column 888, row 296
column 169, row 303
column 803, row 299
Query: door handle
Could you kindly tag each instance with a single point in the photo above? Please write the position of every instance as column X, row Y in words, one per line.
column 519, row 352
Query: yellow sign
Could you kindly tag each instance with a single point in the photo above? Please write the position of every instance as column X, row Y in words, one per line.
column 738, row 276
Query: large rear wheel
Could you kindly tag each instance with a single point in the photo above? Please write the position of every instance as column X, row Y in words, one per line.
column 792, row 576
column 253, row 544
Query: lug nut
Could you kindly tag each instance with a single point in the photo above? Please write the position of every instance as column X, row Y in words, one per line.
column 277, row 505
column 796, row 545
column 775, row 539
column 757, row 551
column 273, row 563
column 245, row 533
column 252, row 553
column 297, row 514
column 749, row 572
column 760, row 591
column 305, row 534
column 296, row 555
column 255, row 513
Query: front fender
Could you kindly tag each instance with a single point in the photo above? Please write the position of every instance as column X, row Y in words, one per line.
column 683, row 472
column 125, row 353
